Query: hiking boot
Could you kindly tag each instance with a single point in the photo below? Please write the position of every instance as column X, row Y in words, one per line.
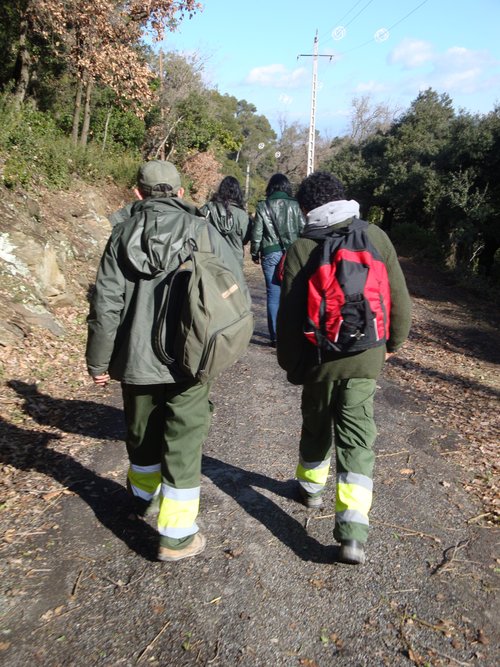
column 352, row 552
column 193, row 549
column 311, row 502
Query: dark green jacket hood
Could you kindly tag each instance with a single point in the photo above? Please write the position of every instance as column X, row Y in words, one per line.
column 156, row 232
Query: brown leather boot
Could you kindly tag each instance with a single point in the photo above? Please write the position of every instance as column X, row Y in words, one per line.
column 193, row 549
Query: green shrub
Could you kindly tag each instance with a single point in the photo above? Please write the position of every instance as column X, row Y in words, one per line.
column 116, row 163
column 36, row 151
column 416, row 242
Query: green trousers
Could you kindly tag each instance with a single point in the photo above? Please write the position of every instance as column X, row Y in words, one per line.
column 348, row 406
column 166, row 427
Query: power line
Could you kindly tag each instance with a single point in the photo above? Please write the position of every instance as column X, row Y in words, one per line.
column 409, row 14
column 339, row 22
column 360, row 12
column 369, row 41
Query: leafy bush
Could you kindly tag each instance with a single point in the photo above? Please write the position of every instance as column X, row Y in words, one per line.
column 413, row 241
column 35, row 151
column 116, row 163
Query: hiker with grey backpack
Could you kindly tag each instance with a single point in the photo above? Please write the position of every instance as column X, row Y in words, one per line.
column 170, row 311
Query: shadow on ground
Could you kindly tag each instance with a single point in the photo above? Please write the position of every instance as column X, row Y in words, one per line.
column 238, row 484
column 30, row 449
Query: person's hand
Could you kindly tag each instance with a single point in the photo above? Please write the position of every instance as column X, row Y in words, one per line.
column 255, row 259
column 101, row 380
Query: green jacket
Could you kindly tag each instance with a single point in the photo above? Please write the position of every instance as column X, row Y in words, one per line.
column 290, row 223
column 232, row 229
column 141, row 251
column 121, row 215
column 297, row 356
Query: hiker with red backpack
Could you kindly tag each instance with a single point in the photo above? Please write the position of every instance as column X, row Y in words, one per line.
column 344, row 309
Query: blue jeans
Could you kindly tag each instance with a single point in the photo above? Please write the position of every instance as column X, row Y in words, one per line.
column 273, row 290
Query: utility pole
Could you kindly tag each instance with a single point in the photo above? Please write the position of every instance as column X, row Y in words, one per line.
column 312, row 123
column 162, row 110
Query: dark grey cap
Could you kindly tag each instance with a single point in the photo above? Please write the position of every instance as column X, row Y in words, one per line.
column 156, row 172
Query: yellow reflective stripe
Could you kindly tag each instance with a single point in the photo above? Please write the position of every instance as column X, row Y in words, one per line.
column 177, row 517
column 144, row 484
column 178, row 511
column 353, row 497
column 317, row 475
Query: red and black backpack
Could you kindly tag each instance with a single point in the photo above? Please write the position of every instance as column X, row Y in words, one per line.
column 349, row 298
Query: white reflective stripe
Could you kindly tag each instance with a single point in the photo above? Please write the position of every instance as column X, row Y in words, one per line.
column 178, row 533
column 154, row 468
column 311, row 465
column 355, row 478
column 351, row 516
column 311, row 487
column 142, row 494
column 180, row 494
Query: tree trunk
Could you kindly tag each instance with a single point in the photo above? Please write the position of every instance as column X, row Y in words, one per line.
column 86, row 113
column 106, row 126
column 76, row 112
column 22, row 65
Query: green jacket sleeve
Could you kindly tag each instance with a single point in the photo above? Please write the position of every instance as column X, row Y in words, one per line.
column 293, row 348
column 105, row 312
column 243, row 223
column 257, row 232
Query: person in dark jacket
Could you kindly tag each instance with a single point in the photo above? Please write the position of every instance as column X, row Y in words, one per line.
column 277, row 223
column 167, row 420
column 226, row 212
column 337, row 387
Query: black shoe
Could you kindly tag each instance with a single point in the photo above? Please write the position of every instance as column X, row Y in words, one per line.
column 144, row 508
column 311, row 502
column 272, row 343
column 352, row 552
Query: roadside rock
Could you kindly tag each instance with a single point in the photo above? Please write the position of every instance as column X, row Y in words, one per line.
column 50, row 244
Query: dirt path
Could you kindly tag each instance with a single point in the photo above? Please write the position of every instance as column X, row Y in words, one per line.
column 80, row 585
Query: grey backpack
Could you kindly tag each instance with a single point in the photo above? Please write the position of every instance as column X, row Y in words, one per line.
column 204, row 323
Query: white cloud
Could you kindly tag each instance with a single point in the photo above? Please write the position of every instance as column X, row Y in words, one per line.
column 411, row 53
column 462, row 70
column 370, row 87
column 276, row 76
column 457, row 70
column 285, row 99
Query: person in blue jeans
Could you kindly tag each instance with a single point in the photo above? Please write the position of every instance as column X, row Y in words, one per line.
column 277, row 224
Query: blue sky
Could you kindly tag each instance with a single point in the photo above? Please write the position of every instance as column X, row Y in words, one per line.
column 387, row 50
